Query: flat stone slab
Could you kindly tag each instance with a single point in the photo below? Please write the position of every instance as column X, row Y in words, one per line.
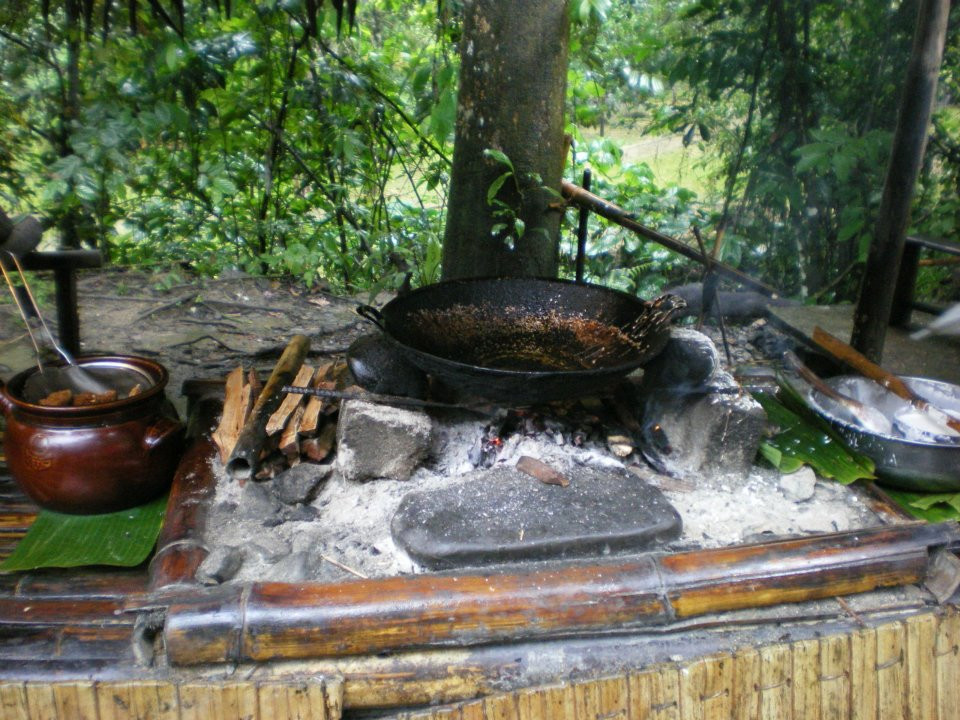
column 502, row 515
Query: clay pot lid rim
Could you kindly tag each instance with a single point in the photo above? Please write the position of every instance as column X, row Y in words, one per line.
column 158, row 371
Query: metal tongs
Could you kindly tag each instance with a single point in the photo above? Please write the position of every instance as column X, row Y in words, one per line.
column 51, row 378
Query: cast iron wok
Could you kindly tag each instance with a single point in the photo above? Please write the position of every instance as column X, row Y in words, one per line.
column 522, row 341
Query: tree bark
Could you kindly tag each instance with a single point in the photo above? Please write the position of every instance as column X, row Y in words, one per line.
column 512, row 85
column 909, row 141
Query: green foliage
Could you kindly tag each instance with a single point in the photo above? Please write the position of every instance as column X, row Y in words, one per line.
column 932, row 507
column 798, row 99
column 264, row 137
column 615, row 256
column 235, row 137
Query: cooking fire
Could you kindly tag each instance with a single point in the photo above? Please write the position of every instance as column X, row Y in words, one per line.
column 659, row 461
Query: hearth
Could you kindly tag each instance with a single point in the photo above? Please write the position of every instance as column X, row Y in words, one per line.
column 662, row 461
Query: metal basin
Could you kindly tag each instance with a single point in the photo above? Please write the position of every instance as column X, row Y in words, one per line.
column 909, row 464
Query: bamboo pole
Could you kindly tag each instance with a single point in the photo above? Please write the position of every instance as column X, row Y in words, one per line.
column 180, row 548
column 614, row 213
column 269, row 621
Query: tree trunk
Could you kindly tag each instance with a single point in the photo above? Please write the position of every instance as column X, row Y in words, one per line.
column 883, row 263
column 512, row 86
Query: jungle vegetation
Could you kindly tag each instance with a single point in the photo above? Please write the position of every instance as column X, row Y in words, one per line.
column 313, row 140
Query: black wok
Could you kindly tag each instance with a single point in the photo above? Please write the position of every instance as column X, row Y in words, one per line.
column 525, row 340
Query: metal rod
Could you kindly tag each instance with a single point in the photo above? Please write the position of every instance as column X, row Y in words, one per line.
column 36, row 309
column 387, row 399
column 23, row 312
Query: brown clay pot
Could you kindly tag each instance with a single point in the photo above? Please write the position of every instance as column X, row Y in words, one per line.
column 98, row 458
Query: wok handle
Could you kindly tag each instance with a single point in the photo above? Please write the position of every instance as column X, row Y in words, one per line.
column 370, row 313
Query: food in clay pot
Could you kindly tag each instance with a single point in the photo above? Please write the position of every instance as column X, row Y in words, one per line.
column 88, row 455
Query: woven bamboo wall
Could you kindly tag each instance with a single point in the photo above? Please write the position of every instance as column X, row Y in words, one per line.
column 908, row 670
column 316, row 699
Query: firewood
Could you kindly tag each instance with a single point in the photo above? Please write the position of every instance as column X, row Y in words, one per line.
column 315, row 405
column 289, row 404
column 253, row 380
column 232, row 417
column 318, row 449
column 246, row 453
column 541, row 471
column 290, row 439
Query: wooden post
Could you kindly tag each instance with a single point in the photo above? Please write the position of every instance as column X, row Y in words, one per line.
column 909, row 141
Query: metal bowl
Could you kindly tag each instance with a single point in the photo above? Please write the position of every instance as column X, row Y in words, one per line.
column 915, row 465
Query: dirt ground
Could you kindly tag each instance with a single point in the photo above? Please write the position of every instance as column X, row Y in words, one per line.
column 195, row 327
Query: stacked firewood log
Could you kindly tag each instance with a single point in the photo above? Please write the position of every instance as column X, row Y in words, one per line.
column 302, row 428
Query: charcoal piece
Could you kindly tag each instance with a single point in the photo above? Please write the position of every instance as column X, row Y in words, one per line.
column 220, row 565
column 300, row 483
column 380, row 441
column 379, row 367
column 502, row 515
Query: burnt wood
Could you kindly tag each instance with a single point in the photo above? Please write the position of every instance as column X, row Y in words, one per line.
column 271, row 621
column 245, row 457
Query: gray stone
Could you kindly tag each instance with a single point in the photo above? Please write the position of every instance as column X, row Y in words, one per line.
column 300, row 483
column 380, row 441
column 378, row 366
column 739, row 305
column 295, row 567
column 502, row 515
column 695, row 417
column 688, row 360
column 220, row 565
column 800, row 485
column 269, row 548
column 257, row 501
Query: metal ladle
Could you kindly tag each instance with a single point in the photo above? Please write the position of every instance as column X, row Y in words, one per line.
column 51, row 378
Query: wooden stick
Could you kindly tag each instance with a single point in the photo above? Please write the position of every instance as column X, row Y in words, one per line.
column 315, row 405
column 859, row 362
column 233, row 416
column 621, row 217
column 290, row 403
column 246, row 453
column 273, row 621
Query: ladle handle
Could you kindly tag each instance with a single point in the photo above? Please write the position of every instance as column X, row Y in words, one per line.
column 371, row 314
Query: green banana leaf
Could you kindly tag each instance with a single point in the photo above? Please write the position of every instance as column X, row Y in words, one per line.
column 802, row 440
column 123, row 539
column 932, row 507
